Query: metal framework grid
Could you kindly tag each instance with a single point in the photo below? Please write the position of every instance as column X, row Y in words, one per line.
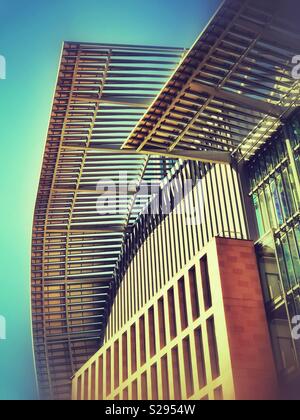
column 233, row 88
column 101, row 93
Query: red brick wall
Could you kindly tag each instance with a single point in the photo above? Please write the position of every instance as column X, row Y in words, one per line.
column 251, row 353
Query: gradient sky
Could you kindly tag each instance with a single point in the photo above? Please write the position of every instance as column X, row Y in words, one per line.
column 31, row 36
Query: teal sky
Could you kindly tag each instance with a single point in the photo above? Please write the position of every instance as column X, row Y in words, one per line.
column 31, row 36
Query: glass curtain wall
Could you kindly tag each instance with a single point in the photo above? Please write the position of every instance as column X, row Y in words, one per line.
column 274, row 176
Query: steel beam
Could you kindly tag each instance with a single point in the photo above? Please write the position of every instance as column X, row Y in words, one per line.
column 195, row 155
column 240, row 100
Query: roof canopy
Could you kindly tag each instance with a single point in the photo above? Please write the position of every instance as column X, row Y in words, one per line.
column 233, row 88
column 101, row 93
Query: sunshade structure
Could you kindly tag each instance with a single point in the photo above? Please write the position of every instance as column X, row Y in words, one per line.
column 102, row 91
column 233, row 88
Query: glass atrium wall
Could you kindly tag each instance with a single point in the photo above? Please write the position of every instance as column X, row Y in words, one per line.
column 274, row 176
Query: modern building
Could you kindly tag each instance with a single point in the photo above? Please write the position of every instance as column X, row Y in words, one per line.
column 189, row 309
column 189, row 292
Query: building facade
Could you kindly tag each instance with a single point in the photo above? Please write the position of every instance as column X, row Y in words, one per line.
column 189, row 308
column 232, row 101
column 274, row 189
column 190, row 292
column 101, row 93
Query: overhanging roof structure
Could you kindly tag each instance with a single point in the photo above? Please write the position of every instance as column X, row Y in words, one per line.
column 233, row 88
column 102, row 91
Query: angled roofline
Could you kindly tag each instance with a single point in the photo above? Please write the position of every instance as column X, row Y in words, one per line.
column 261, row 109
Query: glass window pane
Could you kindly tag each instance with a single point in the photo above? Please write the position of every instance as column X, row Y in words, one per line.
column 282, row 341
column 277, row 204
column 264, row 211
column 295, row 138
column 280, row 146
column 282, row 196
column 297, row 159
column 274, row 154
column 297, row 233
column 282, row 265
column 294, row 254
column 269, row 160
column 258, row 215
column 252, row 177
column 274, row 286
column 257, row 172
column 263, row 168
column 289, row 262
column 270, row 206
column 294, row 188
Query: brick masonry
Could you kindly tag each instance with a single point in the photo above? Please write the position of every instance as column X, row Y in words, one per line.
column 249, row 341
